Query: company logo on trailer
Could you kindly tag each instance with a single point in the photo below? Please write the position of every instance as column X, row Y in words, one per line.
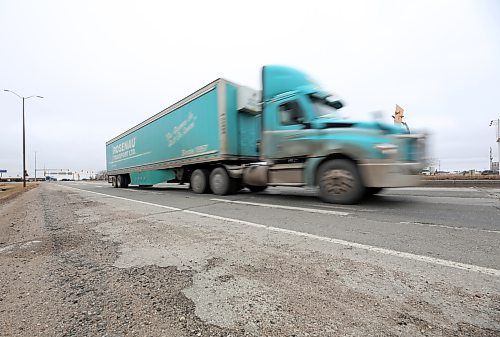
column 124, row 149
column 181, row 130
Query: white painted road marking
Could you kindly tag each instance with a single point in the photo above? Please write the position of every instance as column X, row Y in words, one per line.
column 310, row 210
column 449, row 227
column 410, row 256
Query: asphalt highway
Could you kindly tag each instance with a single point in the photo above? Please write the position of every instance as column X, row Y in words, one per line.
column 457, row 227
column 86, row 259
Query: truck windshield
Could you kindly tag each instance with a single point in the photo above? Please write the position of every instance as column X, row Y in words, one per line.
column 323, row 108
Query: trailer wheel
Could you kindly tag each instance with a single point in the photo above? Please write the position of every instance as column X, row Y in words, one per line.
column 340, row 182
column 256, row 189
column 126, row 180
column 113, row 182
column 221, row 183
column 199, row 181
column 120, row 181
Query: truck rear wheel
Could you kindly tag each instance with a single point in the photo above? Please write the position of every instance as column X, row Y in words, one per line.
column 369, row 191
column 221, row 183
column 256, row 188
column 113, row 182
column 199, row 181
column 340, row 182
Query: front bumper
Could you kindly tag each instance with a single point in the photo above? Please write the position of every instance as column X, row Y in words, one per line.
column 394, row 174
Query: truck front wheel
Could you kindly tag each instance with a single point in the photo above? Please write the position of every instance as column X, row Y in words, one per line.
column 339, row 182
column 199, row 181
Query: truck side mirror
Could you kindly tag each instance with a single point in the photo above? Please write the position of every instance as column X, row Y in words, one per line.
column 336, row 104
column 307, row 125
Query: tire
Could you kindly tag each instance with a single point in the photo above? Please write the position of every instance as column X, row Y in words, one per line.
column 199, row 181
column 221, row 183
column 120, row 181
column 369, row 191
column 256, row 189
column 339, row 182
column 123, row 181
column 113, row 182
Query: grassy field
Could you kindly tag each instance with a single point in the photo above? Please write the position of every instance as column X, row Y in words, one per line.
column 10, row 190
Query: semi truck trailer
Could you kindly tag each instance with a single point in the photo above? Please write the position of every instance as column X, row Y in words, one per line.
column 225, row 137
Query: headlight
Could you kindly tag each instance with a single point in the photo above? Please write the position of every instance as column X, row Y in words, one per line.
column 387, row 149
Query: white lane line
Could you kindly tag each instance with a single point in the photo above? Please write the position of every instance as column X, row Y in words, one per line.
column 410, row 256
column 310, row 210
column 127, row 199
column 352, row 208
column 223, row 218
column 422, row 258
column 450, row 227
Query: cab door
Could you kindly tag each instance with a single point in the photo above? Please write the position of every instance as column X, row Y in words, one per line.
column 287, row 129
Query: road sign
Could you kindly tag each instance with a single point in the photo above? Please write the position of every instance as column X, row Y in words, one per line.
column 3, row 171
column 398, row 115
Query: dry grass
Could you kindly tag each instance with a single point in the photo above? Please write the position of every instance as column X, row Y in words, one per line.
column 11, row 190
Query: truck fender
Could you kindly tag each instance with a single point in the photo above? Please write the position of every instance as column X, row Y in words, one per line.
column 234, row 171
column 310, row 169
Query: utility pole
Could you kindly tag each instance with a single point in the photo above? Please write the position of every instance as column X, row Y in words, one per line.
column 491, row 159
column 35, row 166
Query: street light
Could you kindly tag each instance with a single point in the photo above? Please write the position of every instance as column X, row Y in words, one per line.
column 24, row 133
column 35, row 166
column 497, row 123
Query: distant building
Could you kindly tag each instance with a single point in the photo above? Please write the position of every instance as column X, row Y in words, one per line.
column 64, row 174
column 428, row 171
column 59, row 175
column 494, row 166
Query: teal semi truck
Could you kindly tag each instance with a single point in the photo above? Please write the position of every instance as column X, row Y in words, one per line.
column 226, row 137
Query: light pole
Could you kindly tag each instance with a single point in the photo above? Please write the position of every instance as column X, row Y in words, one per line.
column 497, row 123
column 35, row 166
column 24, row 133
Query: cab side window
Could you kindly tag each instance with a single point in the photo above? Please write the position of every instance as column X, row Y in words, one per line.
column 290, row 113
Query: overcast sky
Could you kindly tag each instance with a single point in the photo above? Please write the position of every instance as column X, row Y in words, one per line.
column 104, row 66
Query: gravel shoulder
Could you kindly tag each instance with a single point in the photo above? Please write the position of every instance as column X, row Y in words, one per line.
column 80, row 264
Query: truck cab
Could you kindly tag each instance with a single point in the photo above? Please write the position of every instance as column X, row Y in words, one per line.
column 305, row 142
